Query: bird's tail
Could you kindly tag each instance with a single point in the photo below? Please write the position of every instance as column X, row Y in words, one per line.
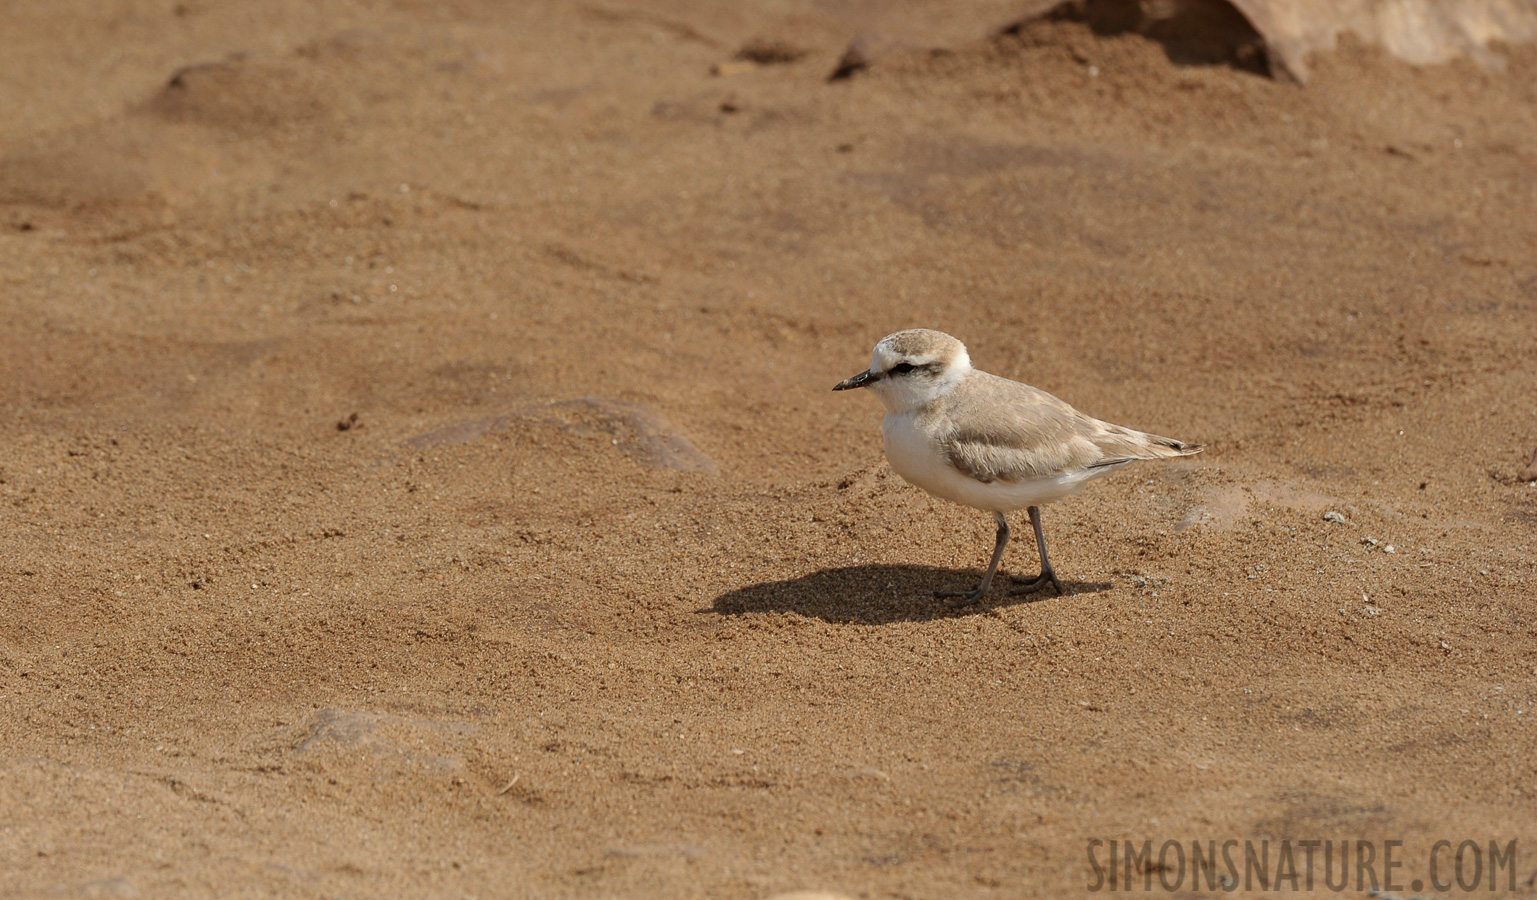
column 1123, row 445
column 1165, row 447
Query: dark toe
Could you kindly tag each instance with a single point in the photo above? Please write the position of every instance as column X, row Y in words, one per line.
column 967, row 598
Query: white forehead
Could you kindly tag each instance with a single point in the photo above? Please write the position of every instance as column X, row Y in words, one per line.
column 884, row 357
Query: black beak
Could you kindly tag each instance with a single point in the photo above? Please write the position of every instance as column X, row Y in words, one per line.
column 863, row 379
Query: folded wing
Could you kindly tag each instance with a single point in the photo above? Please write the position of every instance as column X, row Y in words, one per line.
column 1001, row 430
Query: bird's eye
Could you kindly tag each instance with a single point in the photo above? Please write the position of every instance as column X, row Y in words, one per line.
column 902, row 368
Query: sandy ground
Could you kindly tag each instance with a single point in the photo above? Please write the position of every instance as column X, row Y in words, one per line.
column 419, row 474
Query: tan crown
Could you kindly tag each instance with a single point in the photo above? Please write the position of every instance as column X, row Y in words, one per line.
column 919, row 345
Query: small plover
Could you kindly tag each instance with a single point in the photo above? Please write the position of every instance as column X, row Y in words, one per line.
column 991, row 443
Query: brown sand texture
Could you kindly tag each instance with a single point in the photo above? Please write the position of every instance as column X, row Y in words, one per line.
column 419, row 474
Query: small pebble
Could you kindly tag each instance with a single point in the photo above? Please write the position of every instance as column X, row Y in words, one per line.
column 1389, row 549
column 1337, row 518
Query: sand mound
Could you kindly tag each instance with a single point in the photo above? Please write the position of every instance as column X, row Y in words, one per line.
column 1274, row 37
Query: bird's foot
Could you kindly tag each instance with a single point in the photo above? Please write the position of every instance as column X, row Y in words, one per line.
column 1039, row 582
column 967, row 598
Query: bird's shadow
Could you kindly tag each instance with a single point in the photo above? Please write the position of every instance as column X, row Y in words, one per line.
column 882, row 595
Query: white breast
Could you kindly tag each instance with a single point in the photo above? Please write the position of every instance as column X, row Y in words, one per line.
column 918, row 460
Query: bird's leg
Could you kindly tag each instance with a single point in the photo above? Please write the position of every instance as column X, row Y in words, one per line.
column 975, row 594
column 1047, row 576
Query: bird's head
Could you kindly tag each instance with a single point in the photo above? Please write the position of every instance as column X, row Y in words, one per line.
column 910, row 369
